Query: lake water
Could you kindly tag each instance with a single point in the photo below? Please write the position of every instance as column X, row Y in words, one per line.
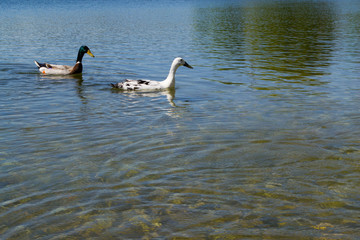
column 259, row 141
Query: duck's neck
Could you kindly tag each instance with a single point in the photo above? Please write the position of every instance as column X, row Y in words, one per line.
column 80, row 56
column 169, row 82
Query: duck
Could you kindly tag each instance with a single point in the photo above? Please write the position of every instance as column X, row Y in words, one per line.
column 47, row 68
column 168, row 83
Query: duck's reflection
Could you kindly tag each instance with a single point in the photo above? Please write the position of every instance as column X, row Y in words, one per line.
column 78, row 77
column 65, row 78
column 169, row 93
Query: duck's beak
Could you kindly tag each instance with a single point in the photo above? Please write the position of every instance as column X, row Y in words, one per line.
column 90, row 53
column 187, row 65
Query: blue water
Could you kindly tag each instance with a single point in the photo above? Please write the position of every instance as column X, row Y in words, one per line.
column 259, row 141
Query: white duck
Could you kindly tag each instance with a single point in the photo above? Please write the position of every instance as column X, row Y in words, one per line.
column 47, row 68
column 169, row 82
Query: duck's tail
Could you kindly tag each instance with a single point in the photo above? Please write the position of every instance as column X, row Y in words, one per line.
column 114, row 85
column 39, row 65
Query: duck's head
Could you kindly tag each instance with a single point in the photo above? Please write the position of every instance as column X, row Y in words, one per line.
column 82, row 51
column 85, row 49
column 181, row 62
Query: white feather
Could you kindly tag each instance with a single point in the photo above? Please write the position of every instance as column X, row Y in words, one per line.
column 145, row 85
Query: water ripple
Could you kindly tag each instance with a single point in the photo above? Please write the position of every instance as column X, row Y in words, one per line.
column 259, row 140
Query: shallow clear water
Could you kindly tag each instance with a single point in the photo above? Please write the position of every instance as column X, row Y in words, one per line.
column 259, row 141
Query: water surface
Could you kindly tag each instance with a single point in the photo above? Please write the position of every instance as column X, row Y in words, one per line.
column 259, row 141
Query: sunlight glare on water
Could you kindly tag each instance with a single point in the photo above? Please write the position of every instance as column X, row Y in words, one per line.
column 259, row 141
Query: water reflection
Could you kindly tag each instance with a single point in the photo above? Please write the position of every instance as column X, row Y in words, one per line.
column 276, row 41
column 79, row 161
column 295, row 41
column 220, row 31
column 56, row 79
column 169, row 93
column 78, row 77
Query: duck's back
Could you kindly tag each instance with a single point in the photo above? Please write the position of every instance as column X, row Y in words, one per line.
column 138, row 85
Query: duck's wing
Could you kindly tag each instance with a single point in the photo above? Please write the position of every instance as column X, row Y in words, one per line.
column 47, row 68
column 129, row 84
